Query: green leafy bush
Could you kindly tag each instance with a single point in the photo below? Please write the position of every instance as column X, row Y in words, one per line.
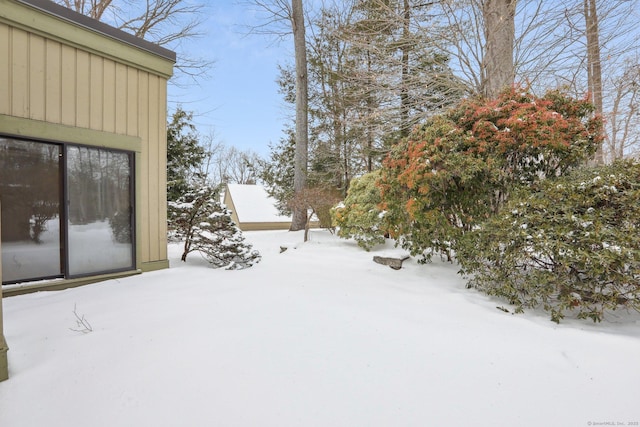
column 458, row 169
column 359, row 216
column 569, row 244
column 431, row 189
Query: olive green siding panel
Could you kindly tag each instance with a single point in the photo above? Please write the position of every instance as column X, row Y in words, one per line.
column 53, row 89
column 143, row 177
column 132, row 101
column 19, row 73
column 68, row 84
column 153, row 159
column 5, row 67
column 162, row 171
column 120, row 94
column 95, row 92
column 154, row 265
column 36, row 77
column 138, row 203
column 83, row 85
column 109, row 96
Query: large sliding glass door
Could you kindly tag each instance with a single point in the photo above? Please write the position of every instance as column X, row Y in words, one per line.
column 67, row 210
column 100, row 210
column 30, row 192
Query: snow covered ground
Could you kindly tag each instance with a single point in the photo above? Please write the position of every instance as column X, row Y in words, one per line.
column 318, row 335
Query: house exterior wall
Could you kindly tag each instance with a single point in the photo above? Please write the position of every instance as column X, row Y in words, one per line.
column 4, row 365
column 228, row 201
column 257, row 226
column 63, row 81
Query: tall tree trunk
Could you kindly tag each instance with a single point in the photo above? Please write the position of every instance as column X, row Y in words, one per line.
column 499, row 26
column 405, row 126
column 594, row 70
column 299, row 219
column 369, row 126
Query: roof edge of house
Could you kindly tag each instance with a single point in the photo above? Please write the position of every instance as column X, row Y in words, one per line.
column 99, row 27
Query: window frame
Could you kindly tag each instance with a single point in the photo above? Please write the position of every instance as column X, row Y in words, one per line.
column 64, row 208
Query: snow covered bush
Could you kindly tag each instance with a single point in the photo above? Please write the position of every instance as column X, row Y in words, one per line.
column 569, row 244
column 205, row 225
column 359, row 216
column 458, row 169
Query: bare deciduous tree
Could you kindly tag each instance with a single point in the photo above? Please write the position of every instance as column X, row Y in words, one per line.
column 624, row 118
column 232, row 165
column 299, row 218
column 499, row 32
column 594, row 68
column 276, row 13
column 164, row 22
column 315, row 201
column 557, row 44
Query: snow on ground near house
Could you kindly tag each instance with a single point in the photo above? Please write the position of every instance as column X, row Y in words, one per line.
column 253, row 204
column 318, row 335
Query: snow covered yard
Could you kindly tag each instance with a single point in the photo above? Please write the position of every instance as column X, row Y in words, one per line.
column 318, row 335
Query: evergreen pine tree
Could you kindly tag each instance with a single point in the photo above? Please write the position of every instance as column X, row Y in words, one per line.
column 185, row 155
column 277, row 172
column 206, row 226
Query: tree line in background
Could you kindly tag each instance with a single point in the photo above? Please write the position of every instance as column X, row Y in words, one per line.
column 473, row 129
column 377, row 68
column 196, row 169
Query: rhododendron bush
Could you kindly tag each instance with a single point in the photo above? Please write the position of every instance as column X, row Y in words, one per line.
column 570, row 244
column 458, row 169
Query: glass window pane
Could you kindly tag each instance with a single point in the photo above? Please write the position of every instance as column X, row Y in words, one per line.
column 99, row 210
column 30, row 196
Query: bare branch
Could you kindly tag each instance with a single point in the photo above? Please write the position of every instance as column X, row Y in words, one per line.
column 82, row 324
column 165, row 22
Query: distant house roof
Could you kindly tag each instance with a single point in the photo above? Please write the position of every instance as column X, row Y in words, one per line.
column 251, row 206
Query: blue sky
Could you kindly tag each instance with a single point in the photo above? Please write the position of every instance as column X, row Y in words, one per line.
column 239, row 101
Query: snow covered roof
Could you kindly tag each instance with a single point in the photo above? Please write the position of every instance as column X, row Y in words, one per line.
column 253, row 204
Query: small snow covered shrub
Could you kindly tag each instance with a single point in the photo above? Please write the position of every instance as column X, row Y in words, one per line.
column 569, row 244
column 205, row 225
column 359, row 217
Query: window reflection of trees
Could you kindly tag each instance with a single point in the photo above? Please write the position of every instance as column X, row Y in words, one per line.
column 29, row 188
column 98, row 220
column 99, row 189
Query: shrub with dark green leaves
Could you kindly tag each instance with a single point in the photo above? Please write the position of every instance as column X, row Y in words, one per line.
column 570, row 244
column 458, row 169
column 359, row 216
